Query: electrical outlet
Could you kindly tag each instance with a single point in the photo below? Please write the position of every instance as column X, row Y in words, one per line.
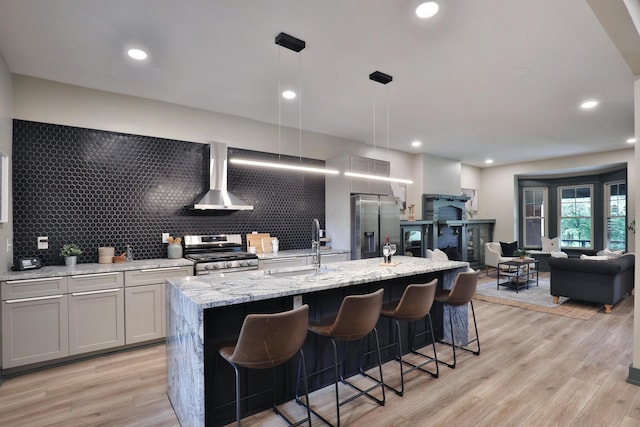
column 43, row 242
column 165, row 237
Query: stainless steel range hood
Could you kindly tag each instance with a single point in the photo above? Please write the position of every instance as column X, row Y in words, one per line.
column 218, row 198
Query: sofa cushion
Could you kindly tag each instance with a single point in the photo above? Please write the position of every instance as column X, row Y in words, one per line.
column 508, row 248
column 550, row 245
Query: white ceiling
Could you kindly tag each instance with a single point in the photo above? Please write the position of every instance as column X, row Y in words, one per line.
column 494, row 78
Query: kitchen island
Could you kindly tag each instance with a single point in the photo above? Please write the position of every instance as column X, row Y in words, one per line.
column 204, row 311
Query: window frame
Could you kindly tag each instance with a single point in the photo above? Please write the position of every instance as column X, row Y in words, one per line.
column 607, row 212
column 544, row 211
column 560, row 217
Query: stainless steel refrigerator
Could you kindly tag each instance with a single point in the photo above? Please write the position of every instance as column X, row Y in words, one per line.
column 373, row 218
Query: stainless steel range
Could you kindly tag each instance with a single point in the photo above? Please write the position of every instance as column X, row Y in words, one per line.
column 219, row 253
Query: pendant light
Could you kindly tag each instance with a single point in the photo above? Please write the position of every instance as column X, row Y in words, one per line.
column 382, row 78
column 296, row 45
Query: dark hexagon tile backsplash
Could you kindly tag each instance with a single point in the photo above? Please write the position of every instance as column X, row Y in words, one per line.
column 98, row 188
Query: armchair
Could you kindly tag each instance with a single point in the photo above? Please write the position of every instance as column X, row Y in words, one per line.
column 493, row 255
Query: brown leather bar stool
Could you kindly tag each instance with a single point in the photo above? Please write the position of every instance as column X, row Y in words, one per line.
column 462, row 292
column 356, row 319
column 414, row 305
column 267, row 341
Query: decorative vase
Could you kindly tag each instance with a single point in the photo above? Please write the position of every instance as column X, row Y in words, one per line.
column 174, row 251
column 70, row 261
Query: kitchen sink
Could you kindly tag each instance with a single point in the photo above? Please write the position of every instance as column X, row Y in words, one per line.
column 307, row 271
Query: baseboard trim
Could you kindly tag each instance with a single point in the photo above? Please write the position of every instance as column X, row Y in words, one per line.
column 634, row 376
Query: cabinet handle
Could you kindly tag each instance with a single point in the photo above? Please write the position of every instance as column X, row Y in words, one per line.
column 103, row 291
column 46, row 279
column 151, row 270
column 95, row 275
column 13, row 301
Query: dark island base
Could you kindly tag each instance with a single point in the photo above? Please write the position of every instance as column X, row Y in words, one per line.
column 223, row 325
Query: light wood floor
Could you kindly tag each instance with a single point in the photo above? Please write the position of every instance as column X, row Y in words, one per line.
column 535, row 369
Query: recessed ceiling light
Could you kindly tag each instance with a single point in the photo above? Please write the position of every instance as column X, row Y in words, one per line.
column 137, row 54
column 631, row 141
column 288, row 94
column 416, row 143
column 488, row 161
column 587, row 105
column 427, row 9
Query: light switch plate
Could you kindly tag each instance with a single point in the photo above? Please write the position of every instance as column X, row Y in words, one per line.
column 165, row 237
column 43, row 242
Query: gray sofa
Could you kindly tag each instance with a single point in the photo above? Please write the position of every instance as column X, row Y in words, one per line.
column 600, row 281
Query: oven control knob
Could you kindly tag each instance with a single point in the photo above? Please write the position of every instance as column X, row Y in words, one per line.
column 208, row 267
column 230, row 264
column 244, row 263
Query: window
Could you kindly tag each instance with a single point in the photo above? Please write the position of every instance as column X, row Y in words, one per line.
column 535, row 207
column 616, row 215
column 576, row 224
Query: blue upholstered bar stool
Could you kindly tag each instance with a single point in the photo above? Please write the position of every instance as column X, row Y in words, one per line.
column 356, row 319
column 414, row 305
column 267, row 341
column 462, row 292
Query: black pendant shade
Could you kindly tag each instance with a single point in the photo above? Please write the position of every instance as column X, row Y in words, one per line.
column 380, row 77
column 290, row 42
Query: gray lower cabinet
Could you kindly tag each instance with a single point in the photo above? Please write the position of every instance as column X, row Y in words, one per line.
column 145, row 302
column 34, row 321
column 96, row 312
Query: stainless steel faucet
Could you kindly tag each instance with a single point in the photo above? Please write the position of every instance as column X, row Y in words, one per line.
column 315, row 243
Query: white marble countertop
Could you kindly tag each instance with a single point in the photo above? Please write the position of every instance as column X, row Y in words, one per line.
column 93, row 268
column 299, row 253
column 217, row 290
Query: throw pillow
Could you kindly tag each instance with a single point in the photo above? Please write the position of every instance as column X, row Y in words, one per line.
column 440, row 255
column 508, row 248
column 559, row 254
column 609, row 253
column 453, row 254
column 550, row 245
column 594, row 257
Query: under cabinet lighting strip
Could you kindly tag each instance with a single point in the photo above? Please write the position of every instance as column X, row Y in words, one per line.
column 379, row 178
column 287, row 166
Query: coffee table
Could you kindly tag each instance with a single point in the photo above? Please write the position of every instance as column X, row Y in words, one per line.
column 517, row 274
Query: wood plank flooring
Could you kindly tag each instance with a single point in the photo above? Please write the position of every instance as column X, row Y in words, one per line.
column 535, row 369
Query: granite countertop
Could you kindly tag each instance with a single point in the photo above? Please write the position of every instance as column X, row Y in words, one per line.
column 217, row 290
column 92, row 268
column 299, row 253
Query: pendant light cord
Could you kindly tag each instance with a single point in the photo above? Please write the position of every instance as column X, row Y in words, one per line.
column 374, row 122
column 300, row 105
column 279, row 94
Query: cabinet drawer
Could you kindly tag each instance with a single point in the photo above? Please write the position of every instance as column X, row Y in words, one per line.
column 95, row 282
column 155, row 276
column 17, row 289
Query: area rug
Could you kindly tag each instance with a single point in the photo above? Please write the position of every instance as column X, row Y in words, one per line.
column 535, row 298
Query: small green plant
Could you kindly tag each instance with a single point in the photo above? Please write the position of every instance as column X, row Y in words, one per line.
column 632, row 226
column 70, row 250
column 520, row 253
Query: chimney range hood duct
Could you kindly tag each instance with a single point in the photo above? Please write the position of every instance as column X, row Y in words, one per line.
column 218, row 198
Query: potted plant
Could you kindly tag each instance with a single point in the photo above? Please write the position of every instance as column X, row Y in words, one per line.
column 70, row 253
column 522, row 253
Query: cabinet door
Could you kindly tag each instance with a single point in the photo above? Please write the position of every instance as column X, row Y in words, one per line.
column 34, row 330
column 96, row 320
column 144, row 310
